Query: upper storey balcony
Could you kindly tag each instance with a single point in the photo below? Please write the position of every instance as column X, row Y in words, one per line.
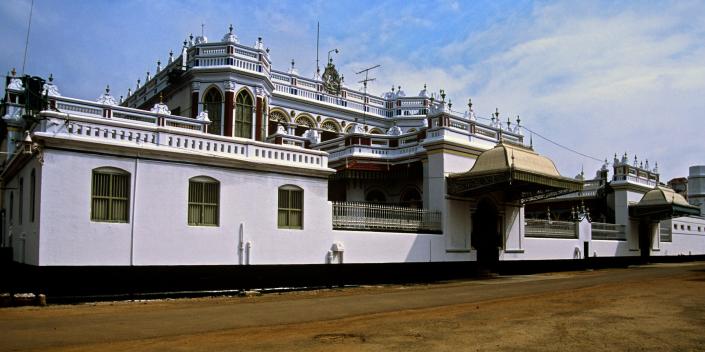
column 228, row 55
column 105, row 125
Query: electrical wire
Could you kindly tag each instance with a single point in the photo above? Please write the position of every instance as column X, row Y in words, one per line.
column 561, row 145
column 26, row 43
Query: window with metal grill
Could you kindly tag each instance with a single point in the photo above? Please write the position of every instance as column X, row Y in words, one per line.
column 21, row 201
column 32, row 194
column 203, row 201
column 213, row 103
column 291, row 207
column 110, row 196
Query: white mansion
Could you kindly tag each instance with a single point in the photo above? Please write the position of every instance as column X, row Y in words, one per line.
column 219, row 159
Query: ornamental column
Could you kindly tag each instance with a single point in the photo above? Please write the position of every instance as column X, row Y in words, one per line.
column 259, row 114
column 229, row 87
column 195, row 106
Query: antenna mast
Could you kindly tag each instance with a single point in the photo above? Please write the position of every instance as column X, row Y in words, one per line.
column 364, row 84
column 318, row 37
column 26, row 42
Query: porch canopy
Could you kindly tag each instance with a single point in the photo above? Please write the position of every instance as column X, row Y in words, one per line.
column 516, row 170
column 662, row 204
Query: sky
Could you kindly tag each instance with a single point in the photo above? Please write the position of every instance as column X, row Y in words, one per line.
column 598, row 77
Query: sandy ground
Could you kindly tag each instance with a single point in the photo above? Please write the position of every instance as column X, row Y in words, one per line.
column 653, row 308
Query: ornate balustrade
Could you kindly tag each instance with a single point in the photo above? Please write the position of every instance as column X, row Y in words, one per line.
column 605, row 231
column 550, row 229
column 383, row 217
column 109, row 123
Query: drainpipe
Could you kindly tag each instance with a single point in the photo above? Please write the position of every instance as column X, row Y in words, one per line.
column 248, row 247
column 241, row 245
column 134, row 201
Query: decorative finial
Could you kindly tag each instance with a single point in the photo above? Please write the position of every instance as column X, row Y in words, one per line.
column 392, row 88
column 107, row 89
column 531, row 140
column 230, row 28
column 635, row 161
column 51, row 77
column 496, row 113
column 469, row 104
column 171, row 56
column 185, row 42
column 138, row 83
column 518, row 121
column 424, row 86
column 129, row 91
column 443, row 95
column 509, row 123
column 399, row 88
column 159, row 65
column 121, row 99
column 148, row 77
column 190, row 36
column 292, row 63
column 450, row 104
column 13, row 72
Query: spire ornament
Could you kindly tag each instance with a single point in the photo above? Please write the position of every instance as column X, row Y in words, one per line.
column 106, row 98
column 50, row 88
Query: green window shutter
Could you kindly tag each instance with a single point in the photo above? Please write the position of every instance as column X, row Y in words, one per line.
column 203, row 202
column 290, row 211
column 110, row 196
column 243, row 115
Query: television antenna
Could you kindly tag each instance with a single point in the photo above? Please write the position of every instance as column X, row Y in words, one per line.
column 364, row 84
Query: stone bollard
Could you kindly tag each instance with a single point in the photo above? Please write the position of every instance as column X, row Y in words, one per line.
column 42, row 300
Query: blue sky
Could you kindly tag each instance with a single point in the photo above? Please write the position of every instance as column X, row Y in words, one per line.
column 601, row 77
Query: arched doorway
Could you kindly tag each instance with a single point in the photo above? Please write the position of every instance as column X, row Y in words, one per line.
column 375, row 196
column 411, row 198
column 486, row 237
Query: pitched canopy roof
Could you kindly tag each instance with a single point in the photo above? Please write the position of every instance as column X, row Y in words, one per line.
column 504, row 156
column 517, row 170
column 660, row 204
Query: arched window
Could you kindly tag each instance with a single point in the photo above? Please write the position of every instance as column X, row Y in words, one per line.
column 291, row 208
column 243, row 115
column 32, row 194
column 330, row 130
column 375, row 130
column 110, row 195
column 304, row 123
column 203, row 201
column 375, row 196
column 276, row 118
column 213, row 103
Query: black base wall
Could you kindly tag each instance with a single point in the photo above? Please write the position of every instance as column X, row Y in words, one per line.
column 104, row 280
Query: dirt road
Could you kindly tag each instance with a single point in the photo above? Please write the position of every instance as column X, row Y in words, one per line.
column 658, row 307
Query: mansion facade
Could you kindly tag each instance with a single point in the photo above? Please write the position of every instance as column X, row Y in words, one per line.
column 220, row 159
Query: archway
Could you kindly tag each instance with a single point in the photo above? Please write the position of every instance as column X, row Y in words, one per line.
column 645, row 239
column 486, row 238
